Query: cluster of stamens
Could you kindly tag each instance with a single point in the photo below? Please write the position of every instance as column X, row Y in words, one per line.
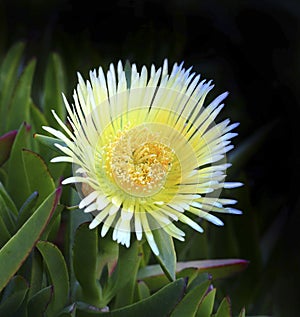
column 138, row 161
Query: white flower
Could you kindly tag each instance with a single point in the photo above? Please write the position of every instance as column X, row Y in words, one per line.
column 146, row 152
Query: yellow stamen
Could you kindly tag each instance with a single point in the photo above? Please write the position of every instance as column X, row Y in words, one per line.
column 138, row 161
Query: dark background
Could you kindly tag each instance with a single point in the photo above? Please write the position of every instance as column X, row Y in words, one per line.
column 251, row 49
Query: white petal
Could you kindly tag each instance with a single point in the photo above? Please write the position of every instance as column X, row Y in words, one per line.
column 233, row 211
column 90, row 208
column 232, row 184
column 148, row 233
column 62, row 159
column 138, row 226
column 107, row 224
column 88, row 199
column 99, row 218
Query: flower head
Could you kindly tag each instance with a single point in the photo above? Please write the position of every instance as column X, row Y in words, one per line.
column 146, row 152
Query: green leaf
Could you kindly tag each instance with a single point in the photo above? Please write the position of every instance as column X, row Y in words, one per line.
column 207, row 304
column 38, row 119
column 159, row 304
column 6, row 142
column 27, row 209
column 69, row 311
column 36, row 274
column 53, row 87
column 17, row 249
column 85, row 253
column 219, row 268
column 50, row 233
column 108, row 253
column 155, row 278
column 4, row 233
column 125, row 294
column 190, row 302
column 7, row 218
column 38, row 304
column 16, row 169
column 21, row 99
column 142, row 290
column 13, row 296
column 37, row 175
column 8, row 201
column 49, row 142
column 224, row 309
column 242, row 313
column 73, row 219
column 124, row 271
column 197, row 280
column 8, row 77
column 167, row 253
column 58, row 275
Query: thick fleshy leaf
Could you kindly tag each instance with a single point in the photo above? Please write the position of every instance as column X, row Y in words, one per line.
column 49, row 141
column 50, row 233
column 154, row 277
column 54, row 85
column 167, row 254
column 4, row 233
column 207, row 304
column 196, row 280
column 27, row 209
column 7, row 218
column 188, row 306
column 58, row 275
column 85, row 253
column 37, row 175
column 69, row 311
column 38, row 304
column 73, row 219
column 37, row 121
column 224, row 309
column 6, row 142
column 142, row 290
column 13, row 296
column 16, row 182
column 44, row 144
column 124, row 271
column 8, row 77
column 21, row 99
column 36, row 274
column 242, row 313
column 108, row 253
column 159, row 304
column 8, row 201
column 125, row 295
column 21, row 244
column 219, row 268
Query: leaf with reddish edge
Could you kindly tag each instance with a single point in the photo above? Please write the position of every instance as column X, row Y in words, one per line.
column 220, row 268
column 17, row 249
column 6, row 142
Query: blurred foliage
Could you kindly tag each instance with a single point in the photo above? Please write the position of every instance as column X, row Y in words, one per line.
column 249, row 48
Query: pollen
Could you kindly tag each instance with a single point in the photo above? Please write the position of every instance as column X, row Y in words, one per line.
column 139, row 161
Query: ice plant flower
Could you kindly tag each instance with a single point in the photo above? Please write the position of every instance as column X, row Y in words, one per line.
column 146, row 152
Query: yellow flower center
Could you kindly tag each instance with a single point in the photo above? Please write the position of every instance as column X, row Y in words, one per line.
column 139, row 161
